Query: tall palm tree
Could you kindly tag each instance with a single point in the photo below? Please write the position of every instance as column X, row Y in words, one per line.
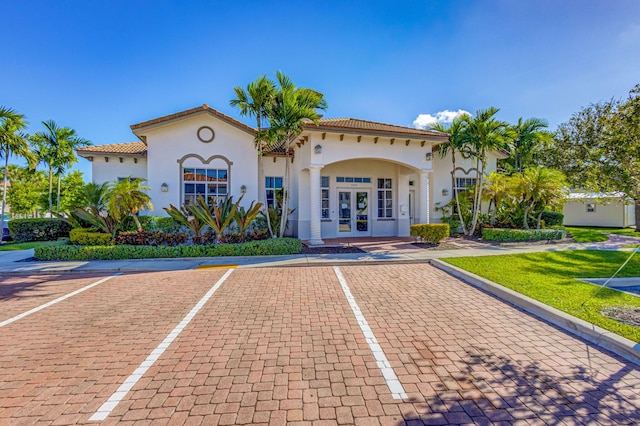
column 256, row 101
column 484, row 133
column 127, row 197
column 526, row 139
column 455, row 144
column 55, row 147
column 12, row 142
column 293, row 106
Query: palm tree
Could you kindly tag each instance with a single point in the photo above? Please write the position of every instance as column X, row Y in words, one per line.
column 292, row 107
column 12, row 142
column 455, row 144
column 256, row 101
column 541, row 188
column 483, row 133
column 525, row 142
column 127, row 197
column 56, row 148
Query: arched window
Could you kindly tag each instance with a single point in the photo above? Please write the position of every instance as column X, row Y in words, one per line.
column 209, row 178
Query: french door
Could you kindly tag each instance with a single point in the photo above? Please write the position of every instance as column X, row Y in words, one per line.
column 354, row 213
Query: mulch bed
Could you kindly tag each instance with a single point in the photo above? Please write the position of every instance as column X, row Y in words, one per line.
column 626, row 314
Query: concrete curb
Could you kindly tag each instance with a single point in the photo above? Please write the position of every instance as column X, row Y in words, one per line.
column 619, row 345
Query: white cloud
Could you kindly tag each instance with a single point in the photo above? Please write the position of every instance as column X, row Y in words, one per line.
column 446, row 117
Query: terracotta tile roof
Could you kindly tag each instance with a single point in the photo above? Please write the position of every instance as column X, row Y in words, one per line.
column 127, row 148
column 356, row 125
column 197, row 110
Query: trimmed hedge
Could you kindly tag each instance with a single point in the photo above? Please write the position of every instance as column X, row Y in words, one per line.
column 432, row 233
column 278, row 246
column 88, row 237
column 552, row 218
column 505, row 235
column 150, row 238
column 43, row 229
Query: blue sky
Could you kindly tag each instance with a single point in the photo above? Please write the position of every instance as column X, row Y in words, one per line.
column 100, row 66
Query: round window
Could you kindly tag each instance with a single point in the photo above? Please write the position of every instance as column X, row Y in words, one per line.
column 206, row 134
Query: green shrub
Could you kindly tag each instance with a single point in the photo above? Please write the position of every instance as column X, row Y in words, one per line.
column 552, row 218
column 277, row 246
column 150, row 238
column 166, row 224
column 432, row 233
column 88, row 237
column 45, row 229
column 499, row 234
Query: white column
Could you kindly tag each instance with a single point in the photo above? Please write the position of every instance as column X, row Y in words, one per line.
column 424, row 196
column 315, row 237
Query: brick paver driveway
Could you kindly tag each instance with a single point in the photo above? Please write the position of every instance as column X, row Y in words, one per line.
column 284, row 345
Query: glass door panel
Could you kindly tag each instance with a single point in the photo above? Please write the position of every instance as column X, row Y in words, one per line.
column 362, row 211
column 344, row 211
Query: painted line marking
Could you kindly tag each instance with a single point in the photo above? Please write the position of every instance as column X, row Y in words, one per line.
column 59, row 299
column 130, row 381
column 394, row 385
column 212, row 266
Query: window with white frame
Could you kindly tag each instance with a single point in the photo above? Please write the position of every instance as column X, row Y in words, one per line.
column 324, row 188
column 385, row 198
column 463, row 184
column 591, row 207
column 211, row 184
column 273, row 186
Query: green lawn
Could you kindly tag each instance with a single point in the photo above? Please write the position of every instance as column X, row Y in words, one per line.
column 550, row 279
column 595, row 235
column 7, row 246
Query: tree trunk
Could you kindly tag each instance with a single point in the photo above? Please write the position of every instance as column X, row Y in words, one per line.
column 58, row 197
column 637, row 214
column 453, row 188
column 285, row 195
column 135, row 219
column 50, row 191
column 4, row 189
column 477, row 202
column 262, row 176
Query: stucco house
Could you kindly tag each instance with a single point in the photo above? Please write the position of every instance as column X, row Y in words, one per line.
column 611, row 210
column 349, row 177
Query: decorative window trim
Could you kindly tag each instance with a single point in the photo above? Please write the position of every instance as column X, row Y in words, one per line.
column 204, row 139
column 204, row 163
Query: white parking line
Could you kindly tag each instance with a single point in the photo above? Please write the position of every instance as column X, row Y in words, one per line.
column 130, row 382
column 394, row 385
column 59, row 299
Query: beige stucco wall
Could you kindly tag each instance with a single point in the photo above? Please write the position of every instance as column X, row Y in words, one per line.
column 173, row 141
column 109, row 171
column 614, row 214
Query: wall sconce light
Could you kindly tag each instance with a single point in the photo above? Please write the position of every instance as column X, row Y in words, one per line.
column 429, row 156
column 318, row 149
column 243, row 189
column 164, row 187
column 445, row 192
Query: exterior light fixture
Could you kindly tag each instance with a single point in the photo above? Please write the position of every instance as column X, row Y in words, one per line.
column 429, row 156
column 164, row 187
column 243, row 189
column 318, row 149
column 445, row 192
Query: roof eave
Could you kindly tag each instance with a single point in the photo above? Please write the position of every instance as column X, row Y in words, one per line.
column 356, row 131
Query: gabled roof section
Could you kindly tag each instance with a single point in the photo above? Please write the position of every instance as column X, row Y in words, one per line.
column 354, row 125
column 204, row 109
column 134, row 149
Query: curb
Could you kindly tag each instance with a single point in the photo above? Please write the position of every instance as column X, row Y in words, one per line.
column 600, row 337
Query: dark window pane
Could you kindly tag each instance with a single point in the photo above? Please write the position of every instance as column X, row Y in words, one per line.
column 212, row 176
column 222, row 175
column 268, row 182
column 278, row 182
column 389, row 213
column 201, row 174
column 348, row 179
column 324, row 181
column 222, row 189
column 189, row 188
column 212, row 188
column 200, row 188
column 380, row 183
column 366, row 180
column 359, row 180
column 339, row 179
